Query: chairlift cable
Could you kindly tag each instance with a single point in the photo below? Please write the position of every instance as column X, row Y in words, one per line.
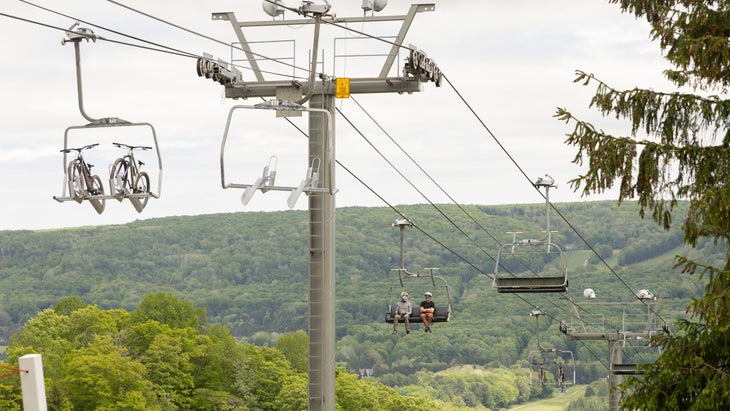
column 200, row 34
column 433, row 181
column 162, row 48
column 572, row 227
column 176, row 51
column 413, row 185
column 424, row 171
column 575, row 230
column 363, row 34
column 456, row 254
column 416, row 226
column 356, row 177
column 583, row 343
column 436, row 207
column 33, row 22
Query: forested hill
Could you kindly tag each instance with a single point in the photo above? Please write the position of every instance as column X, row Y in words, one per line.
column 249, row 269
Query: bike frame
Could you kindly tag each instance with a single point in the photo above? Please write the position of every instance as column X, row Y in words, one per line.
column 86, row 189
column 125, row 174
column 131, row 169
column 85, row 169
column 86, row 173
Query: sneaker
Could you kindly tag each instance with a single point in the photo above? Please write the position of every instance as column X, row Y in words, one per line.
column 395, row 332
column 408, row 331
column 425, row 330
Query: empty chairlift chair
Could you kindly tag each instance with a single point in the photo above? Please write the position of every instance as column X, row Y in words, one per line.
column 520, row 266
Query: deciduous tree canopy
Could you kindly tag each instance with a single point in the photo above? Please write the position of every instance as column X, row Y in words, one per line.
column 113, row 360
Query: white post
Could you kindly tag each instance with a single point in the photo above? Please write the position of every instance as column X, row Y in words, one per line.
column 31, row 382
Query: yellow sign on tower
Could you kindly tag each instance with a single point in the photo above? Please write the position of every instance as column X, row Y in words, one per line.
column 342, row 88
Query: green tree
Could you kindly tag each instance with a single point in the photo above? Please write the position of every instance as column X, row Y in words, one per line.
column 100, row 377
column 266, row 370
column 89, row 322
column 46, row 333
column 295, row 347
column 168, row 309
column 351, row 395
column 219, row 361
column 293, row 394
column 169, row 369
column 10, row 397
column 603, row 250
column 678, row 147
column 68, row 305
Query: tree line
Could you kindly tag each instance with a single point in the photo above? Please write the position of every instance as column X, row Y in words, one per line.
column 249, row 272
column 164, row 355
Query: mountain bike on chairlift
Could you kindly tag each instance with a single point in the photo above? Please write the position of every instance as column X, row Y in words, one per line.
column 126, row 179
column 83, row 185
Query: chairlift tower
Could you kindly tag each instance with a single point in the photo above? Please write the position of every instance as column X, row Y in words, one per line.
column 579, row 330
column 320, row 91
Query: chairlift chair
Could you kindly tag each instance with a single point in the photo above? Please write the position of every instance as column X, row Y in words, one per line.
column 310, row 183
column 552, row 362
column 549, row 356
column 137, row 199
column 76, row 36
column 442, row 313
column 522, row 251
column 528, row 280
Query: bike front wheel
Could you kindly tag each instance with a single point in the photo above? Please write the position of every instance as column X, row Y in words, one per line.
column 142, row 186
column 97, row 189
column 76, row 186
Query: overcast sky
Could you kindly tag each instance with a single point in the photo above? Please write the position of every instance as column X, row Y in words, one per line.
column 512, row 61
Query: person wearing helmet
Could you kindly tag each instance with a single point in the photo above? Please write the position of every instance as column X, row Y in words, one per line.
column 427, row 309
column 403, row 309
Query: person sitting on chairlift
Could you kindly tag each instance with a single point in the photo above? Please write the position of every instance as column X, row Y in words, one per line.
column 403, row 309
column 561, row 378
column 427, row 310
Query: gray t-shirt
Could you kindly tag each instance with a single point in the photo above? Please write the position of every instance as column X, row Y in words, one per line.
column 403, row 307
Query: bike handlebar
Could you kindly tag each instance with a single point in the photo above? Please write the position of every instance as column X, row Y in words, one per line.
column 122, row 145
column 80, row 149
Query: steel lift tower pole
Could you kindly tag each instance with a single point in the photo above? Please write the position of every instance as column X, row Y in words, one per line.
column 615, row 339
column 321, row 268
column 320, row 92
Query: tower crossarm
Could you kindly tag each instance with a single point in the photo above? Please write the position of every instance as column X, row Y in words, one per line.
column 419, row 68
column 364, row 85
